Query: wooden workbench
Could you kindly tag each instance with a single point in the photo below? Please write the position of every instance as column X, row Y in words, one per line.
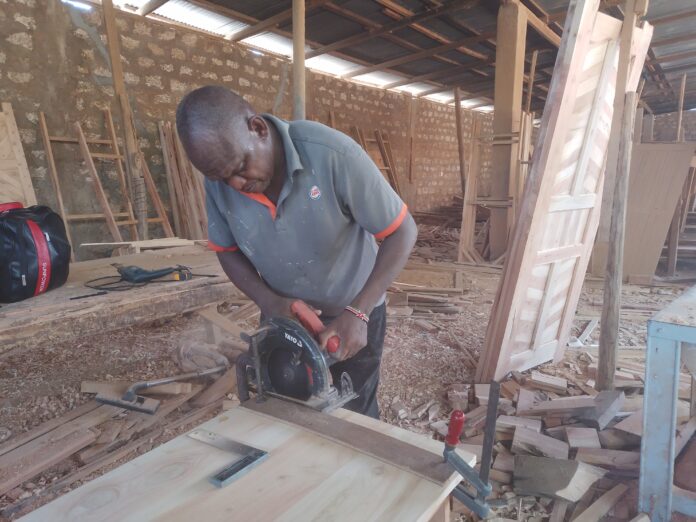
column 53, row 316
column 306, row 477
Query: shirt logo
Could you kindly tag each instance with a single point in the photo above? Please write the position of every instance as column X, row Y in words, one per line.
column 314, row 192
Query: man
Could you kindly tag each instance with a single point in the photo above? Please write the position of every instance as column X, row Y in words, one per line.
column 293, row 212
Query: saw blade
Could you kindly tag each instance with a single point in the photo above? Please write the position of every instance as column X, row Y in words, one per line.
column 289, row 375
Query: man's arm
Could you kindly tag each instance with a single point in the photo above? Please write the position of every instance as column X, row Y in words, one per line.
column 245, row 277
column 391, row 258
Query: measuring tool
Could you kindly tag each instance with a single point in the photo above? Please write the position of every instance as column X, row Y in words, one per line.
column 250, row 456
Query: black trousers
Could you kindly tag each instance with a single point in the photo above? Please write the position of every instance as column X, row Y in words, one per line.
column 363, row 368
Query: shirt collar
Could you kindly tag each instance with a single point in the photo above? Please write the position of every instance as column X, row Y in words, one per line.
column 292, row 158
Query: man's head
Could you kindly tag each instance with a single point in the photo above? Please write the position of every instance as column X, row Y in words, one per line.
column 225, row 139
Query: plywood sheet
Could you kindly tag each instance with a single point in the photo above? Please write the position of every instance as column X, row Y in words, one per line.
column 658, row 172
column 304, row 478
column 15, row 182
column 559, row 211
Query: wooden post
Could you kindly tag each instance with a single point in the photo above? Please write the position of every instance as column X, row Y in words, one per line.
column 298, row 60
column 609, row 332
column 530, row 82
column 131, row 141
column 673, row 237
column 460, row 138
column 509, row 78
column 649, row 128
column 680, row 110
column 638, row 129
column 599, row 254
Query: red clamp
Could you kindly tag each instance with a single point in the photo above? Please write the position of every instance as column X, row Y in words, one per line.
column 456, row 426
column 310, row 320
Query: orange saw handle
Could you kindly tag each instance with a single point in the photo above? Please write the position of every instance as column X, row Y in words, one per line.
column 310, row 320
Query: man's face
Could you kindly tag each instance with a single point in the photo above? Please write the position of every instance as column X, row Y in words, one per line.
column 243, row 162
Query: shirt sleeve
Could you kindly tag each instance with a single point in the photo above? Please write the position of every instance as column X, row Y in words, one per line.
column 366, row 194
column 220, row 237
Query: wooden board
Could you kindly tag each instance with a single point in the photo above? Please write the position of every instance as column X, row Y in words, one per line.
column 15, row 182
column 658, row 172
column 559, row 212
column 401, row 454
column 53, row 316
column 305, row 477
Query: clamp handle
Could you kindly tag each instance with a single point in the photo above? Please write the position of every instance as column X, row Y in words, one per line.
column 310, row 320
column 456, row 426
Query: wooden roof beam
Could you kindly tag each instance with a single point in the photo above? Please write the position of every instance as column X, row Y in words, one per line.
column 150, row 6
column 272, row 21
column 397, row 11
column 540, row 26
column 673, row 57
column 673, row 18
column 378, row 31
column 677, row 39
column 426, row 53
column 369, row 24
column 437, row 74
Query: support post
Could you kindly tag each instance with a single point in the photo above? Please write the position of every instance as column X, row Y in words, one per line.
column 602, row 244
column 530, row 81
column 609, row 332
column 131, row 143
column 298, row 60
column 509, row 78
column 460, row 138
column 649, row 128
column 680, row 110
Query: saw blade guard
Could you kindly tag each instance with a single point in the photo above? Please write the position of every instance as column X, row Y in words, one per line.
column 292, row 364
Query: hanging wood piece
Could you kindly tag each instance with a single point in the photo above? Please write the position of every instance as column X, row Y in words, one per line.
column 559, row 212
column 15, row 181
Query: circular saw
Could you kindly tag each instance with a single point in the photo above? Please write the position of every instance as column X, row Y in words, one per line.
column 285, row 360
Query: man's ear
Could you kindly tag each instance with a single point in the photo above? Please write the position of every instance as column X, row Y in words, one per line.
column 258, row 126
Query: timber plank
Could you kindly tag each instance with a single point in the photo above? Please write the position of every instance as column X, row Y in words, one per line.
column 398, row 453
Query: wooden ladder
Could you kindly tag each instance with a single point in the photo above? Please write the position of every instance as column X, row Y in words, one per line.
column 379, row 149
column 125, row 216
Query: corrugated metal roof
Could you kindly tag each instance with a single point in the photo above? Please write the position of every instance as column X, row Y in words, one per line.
column 334, row 21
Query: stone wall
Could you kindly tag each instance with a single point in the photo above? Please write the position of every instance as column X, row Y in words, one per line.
column 665, row 126
column 53, row 58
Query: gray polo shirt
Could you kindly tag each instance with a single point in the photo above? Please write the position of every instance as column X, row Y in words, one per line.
column 318, row 243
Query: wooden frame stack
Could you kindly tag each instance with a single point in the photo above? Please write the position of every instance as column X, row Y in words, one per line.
column 186, row 191
column 559, row 212
column 379, row 149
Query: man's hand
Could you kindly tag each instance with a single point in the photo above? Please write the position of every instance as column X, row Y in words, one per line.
column 351, row 331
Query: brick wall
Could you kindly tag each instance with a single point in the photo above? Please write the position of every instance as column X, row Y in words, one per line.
column 53, row 58
column 665, row 126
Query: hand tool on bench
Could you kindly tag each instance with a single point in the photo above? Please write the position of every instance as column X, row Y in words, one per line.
column 474, row 499
column 249, row 456
column 286, row 361
column 132, row 401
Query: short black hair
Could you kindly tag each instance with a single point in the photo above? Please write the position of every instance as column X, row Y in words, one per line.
column 209, row 112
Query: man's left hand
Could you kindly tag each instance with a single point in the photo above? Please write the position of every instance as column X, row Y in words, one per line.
column 352, row 332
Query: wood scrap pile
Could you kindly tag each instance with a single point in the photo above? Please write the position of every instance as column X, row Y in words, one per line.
column 185, row 183
column 563, row 450
column 91, row 438
column 445, row 215
column 421, row 302
column 43, row 462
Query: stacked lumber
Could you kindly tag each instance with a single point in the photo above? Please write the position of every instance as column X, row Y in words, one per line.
column 91, row 438
column 185, row 183
column 417, row 301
